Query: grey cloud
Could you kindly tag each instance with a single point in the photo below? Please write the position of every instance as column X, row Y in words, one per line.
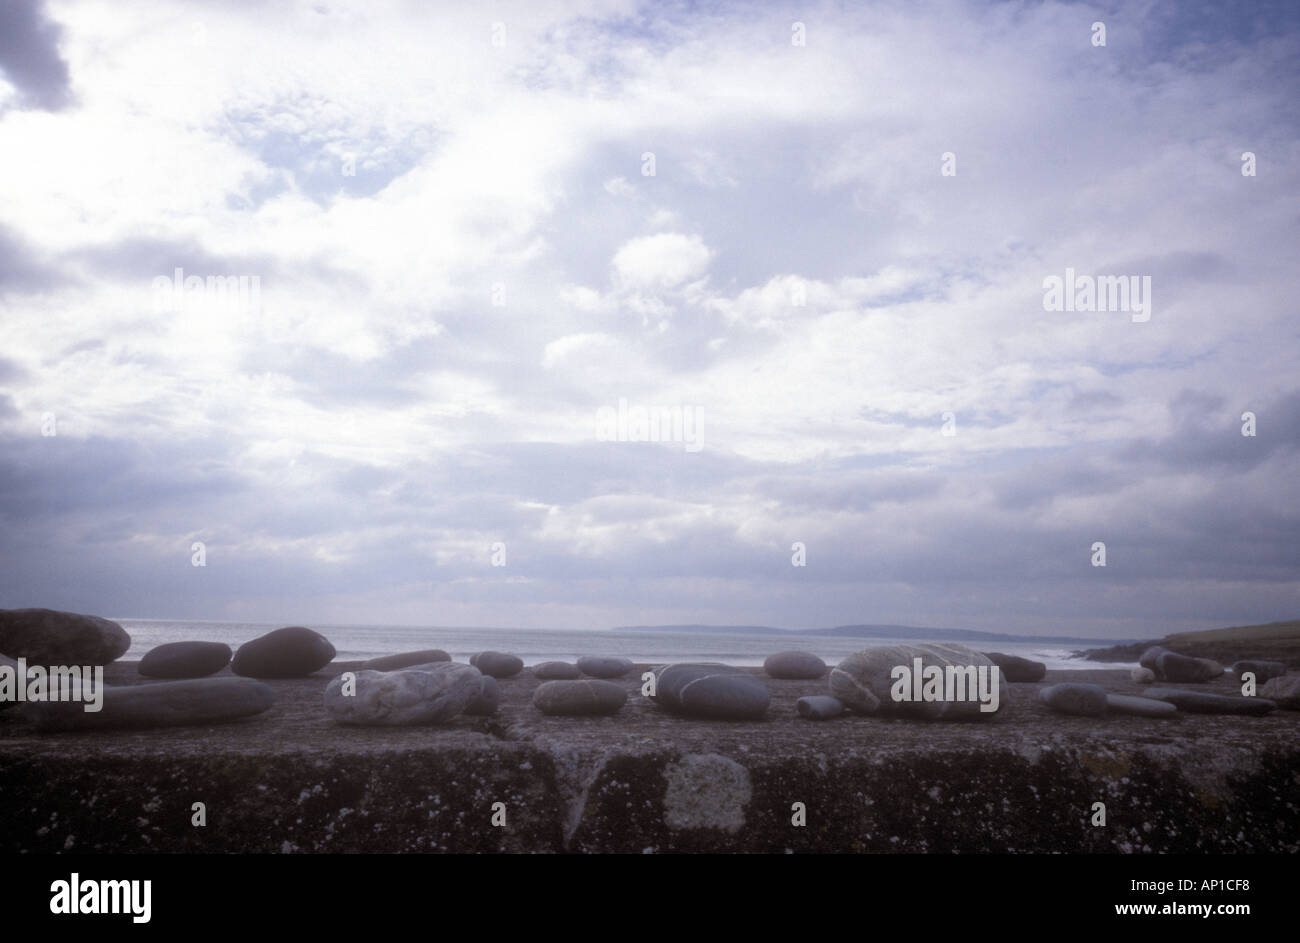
column 45, row 478
column 29, row 55
column 1045, row 478
column 1207, row 434
column 21, row 267
column 830, row 491
column 1089, row 401
column 146, row 258
column 327, row 379
column 11, row 371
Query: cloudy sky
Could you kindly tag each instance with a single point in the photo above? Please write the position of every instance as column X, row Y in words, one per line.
column 478, row 241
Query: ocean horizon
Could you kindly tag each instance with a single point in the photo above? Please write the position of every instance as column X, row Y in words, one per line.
column 359, row 642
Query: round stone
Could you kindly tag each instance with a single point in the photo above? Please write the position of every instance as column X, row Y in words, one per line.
column 433, row 694
column 604, row 666
column 794, row 666
column 1139, row 706
column 1083, row 700
column 292, row 652
column 488, row 698
column 819, row 707
column 405, row 660
column 497, row 664
column 1017, row 669
column 185, row 660
column 1142, row 675
column 556, row 671
column 887, row 679
column 715, row 692
column 579, row 698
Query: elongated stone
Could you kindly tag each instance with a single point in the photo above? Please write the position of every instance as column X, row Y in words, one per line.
column 556, row 671
column 431, row 694
column 1071, row 697
column 1139, row 706
column 1203, row 702
column 165, row 704
column 1171, row 666
column 49, row 637
column 605, row 666
column 405, row 660
column 587, row 697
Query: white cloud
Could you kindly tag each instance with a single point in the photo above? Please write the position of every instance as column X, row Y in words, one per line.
column 584, row 346
column 664, row 260
column 618, row 186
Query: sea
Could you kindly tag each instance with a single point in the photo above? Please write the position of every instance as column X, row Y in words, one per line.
column 358, row 642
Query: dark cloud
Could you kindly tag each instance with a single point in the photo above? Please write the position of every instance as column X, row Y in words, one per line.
column 1043, row 479
column 29, row 55
column 44, row 479
column 1207, row 434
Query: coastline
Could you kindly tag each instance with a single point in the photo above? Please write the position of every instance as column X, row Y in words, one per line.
column 1276, row 641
